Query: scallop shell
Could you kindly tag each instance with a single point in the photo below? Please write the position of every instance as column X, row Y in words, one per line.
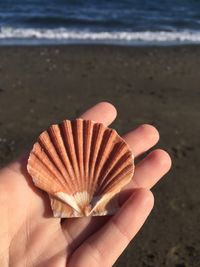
column 82, row 165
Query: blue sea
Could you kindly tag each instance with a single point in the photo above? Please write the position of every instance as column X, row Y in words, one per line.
column 130, row 22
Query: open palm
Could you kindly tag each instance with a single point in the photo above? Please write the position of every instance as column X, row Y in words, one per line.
column 30, row 236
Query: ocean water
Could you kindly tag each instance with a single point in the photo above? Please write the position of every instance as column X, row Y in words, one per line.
column 131, row 22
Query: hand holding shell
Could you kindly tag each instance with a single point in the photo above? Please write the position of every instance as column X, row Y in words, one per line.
column 82, row 165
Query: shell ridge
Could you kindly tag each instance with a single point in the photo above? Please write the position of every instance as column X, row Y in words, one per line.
column 111, row 161
column 54, row 132
column 61, row 149
column 51, row 153
column 102, row 157
column 96, row 141
column 48, row 169
column 111, row 184
column 87, row 132
column 77, row 132
column 48, row 156
column 50, row 166
column 121, row 164
column 69, row 145
column 66, row 158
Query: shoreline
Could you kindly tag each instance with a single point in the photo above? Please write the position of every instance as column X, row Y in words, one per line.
column 22, row 43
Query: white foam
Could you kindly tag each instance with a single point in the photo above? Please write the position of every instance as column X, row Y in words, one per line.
column 64, row 34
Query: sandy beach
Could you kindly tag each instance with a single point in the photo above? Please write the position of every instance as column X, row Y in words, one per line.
column 157, row 85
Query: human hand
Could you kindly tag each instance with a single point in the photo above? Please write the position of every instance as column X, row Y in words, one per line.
column 30, row 236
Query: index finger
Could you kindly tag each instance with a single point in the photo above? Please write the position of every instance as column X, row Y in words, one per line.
column 102, row 112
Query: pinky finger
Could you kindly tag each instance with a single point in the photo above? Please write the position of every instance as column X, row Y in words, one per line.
column 105, row 246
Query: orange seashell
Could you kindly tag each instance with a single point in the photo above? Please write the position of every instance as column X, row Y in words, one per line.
column 82, row 165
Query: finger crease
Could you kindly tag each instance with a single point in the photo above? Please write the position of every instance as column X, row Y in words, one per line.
column 68, row 236
column 121, row 231
column 135, row 183
column 97, row 253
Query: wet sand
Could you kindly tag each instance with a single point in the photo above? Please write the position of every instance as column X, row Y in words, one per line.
column 161, row 86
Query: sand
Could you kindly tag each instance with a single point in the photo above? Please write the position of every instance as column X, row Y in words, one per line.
column 161, row 86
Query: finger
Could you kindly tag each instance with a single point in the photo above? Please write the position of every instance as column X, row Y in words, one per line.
column 142, row 139
column 106, row 245
column 103, row 112
column 151, row 169
column 80, row 229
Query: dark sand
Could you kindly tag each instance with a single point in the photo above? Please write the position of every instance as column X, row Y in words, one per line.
column 39, row 86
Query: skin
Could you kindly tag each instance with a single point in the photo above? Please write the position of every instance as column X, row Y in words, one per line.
column 30, row 236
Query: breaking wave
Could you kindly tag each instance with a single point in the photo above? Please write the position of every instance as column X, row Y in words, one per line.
column 60, row 35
